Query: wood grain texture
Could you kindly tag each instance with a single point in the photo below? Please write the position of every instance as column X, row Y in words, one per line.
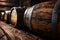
column 14, row 34
column 41, row 17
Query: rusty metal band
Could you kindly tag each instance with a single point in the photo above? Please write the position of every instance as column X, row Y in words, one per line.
column 54, row 21
column 28, row 13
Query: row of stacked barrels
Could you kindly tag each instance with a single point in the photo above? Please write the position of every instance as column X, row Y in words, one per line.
column 37, row 18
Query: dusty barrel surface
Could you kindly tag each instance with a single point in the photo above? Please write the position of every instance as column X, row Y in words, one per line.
column 38, row 18
column 14, row 34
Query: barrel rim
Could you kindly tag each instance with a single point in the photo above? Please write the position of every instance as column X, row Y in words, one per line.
column 16, row 15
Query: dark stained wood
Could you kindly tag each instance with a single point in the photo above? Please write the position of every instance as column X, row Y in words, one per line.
column 14, row 34
column 2, row 35
column 41, row 18
column 33, row 2
column 26, row 3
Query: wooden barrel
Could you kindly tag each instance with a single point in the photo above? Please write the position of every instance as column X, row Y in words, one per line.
column 38, row 18
column 16, row 14
column 14, row 34
column 7, row 16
